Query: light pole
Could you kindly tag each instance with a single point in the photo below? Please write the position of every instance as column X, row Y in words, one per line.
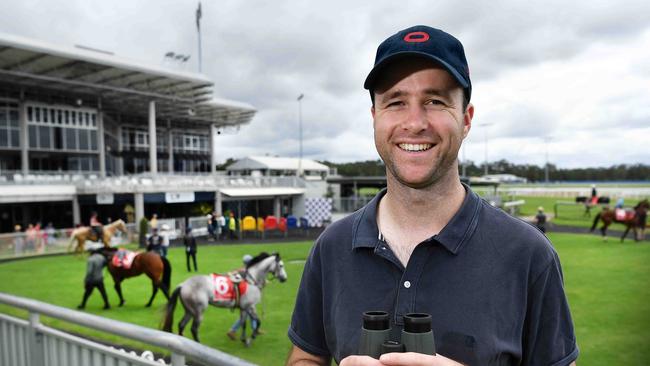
column 485, row 135
column 299, row 99
column 546, row 140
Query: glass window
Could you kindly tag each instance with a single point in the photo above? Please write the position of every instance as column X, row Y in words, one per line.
column 46, row 115
column 94, row 118
column 58, row 138
column 3, row 117
column 60, row 116
column 87, row 117
column 38, row 114
column 13, row 118
column 15, row 138
column 29, row 114
column 94, row 164
column 44, row 137
column 4, row 138
column 32, row 136
column 83, row 139
column 93, row 140
column 73, row 164
column 67, row 117
column 73, row 115
column 85, row 164
column 70, row 138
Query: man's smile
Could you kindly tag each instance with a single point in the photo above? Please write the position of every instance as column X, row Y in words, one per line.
column 415, row 147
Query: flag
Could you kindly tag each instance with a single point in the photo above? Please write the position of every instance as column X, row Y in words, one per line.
column 198, row 17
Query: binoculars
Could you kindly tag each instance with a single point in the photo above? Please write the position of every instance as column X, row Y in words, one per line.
column 416, row 336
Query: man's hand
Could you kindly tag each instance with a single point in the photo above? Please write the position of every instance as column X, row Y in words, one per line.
column 399, row 359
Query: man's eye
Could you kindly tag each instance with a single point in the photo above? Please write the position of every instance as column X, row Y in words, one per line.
column 396, row 103
column 436, row 102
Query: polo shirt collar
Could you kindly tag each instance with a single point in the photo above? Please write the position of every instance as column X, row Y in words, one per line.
column 365, row 233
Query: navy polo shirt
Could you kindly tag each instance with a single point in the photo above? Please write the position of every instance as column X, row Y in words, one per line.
column 492, row 283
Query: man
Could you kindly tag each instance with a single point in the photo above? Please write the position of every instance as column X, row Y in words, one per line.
column 96, row 226
column 540, row 219
column 154, row 243
column 190, row 248
column 428, row 244
column 95, row 278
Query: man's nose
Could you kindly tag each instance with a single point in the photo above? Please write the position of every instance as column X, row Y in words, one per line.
column 416, row 119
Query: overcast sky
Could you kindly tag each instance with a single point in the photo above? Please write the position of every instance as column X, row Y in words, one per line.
column 568, row 77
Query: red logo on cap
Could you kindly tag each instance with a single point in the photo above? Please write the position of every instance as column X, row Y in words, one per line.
column 416, row 37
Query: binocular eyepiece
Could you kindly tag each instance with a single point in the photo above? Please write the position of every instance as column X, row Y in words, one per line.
column 416, row 336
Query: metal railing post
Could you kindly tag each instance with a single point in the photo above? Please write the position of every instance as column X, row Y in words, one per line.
column 178, row 359
column 36, row 341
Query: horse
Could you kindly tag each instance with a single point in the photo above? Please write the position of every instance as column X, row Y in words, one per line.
column 84, row 233
column 608, row 216
column 198, row 292
column 157, row 268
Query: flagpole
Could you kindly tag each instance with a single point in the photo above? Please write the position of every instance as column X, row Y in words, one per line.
column 198, row 28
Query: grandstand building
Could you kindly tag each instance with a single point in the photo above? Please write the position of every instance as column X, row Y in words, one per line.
column 83, row 130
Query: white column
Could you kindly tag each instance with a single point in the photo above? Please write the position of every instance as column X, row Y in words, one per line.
column 217, row 202
column 24, row 138
column 120, row 146
column 153, row 161
column 76, row 212
column 139, row 207
column 277, row 207
column 213, row 152
column 170, row 148
column 100, row 141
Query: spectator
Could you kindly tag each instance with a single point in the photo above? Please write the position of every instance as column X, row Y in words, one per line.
column 19, row 240
column 221, row 225
column 154, row 243
column 210, row 227
column 190, row 248
column 153, row 223
column 540, row 219
column 96, row 226
column 95, row 278
column 30, row 236
column 232, row 226
column 50, row 232
column 165, row 232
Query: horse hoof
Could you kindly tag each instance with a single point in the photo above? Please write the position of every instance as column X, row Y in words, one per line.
column 147, row 306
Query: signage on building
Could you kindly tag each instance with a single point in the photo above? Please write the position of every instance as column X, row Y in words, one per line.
column 105, row 198
column 179, row 197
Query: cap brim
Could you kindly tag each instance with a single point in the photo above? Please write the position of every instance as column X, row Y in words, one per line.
column 374, row 73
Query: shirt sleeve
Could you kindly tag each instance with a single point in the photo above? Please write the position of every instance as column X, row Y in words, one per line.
column 306, row 330
column 549, row 337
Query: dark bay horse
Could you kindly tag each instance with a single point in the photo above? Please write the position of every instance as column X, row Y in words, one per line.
column 84, row 233
column 608, row 216
column 198, row 292
column 157, row 268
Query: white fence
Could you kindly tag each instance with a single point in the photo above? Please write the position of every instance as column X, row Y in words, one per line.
column 31, row 343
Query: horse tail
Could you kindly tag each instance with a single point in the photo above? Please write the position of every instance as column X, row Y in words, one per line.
column 169, row 310
column 167, row 272
column 593, row 227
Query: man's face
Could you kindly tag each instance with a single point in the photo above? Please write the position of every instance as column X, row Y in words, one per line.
column 419, row 121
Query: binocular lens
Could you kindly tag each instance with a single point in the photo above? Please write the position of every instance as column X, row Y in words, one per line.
column 376, row 320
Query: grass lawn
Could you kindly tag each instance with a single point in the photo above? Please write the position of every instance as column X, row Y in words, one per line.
column 607, row 286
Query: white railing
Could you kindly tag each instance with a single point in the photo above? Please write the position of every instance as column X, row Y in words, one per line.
column 31, row 343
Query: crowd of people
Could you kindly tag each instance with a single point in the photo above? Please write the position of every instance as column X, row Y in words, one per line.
column 35, row 238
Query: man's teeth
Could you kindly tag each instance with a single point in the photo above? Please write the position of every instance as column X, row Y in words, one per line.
column 415, row 147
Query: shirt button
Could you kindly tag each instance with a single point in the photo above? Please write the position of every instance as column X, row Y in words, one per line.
column 407, row 284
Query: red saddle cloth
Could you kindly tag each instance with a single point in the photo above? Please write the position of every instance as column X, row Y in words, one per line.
column 223, row 288
column 123, row 258
column 624, row 215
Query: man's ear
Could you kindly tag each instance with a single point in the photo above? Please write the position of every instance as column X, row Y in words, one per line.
column 467, row 119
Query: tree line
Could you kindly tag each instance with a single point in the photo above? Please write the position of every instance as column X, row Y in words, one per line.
column 534, row 173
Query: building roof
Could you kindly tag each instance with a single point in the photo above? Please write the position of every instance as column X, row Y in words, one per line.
column 124, row 85
column 276, row 163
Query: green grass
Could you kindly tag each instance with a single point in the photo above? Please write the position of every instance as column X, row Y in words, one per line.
column 607, row 286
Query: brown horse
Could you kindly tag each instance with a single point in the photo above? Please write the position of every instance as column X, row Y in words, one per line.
column 84, row 233
column 608, row 216
column 157, row 268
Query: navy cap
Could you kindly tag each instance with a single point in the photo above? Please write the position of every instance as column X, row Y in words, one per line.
column 425, row 42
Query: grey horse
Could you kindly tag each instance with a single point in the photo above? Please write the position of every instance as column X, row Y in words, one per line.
column 198, row 292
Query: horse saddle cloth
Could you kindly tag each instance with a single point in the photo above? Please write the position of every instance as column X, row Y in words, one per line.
column 623, row 215
column 225, row 291
column 123, row 258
